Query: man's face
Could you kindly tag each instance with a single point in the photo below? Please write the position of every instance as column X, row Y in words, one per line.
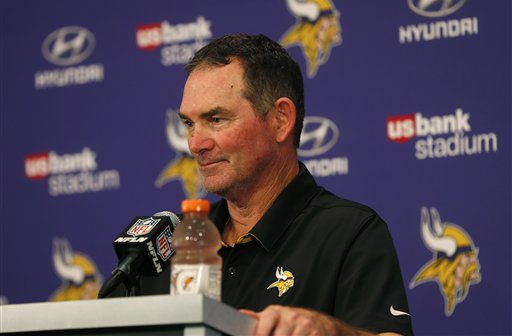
column 230, row 141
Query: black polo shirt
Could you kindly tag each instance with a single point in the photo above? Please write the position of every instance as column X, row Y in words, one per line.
column 312, row 249
column 318, row 251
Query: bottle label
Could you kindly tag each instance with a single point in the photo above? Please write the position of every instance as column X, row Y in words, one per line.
column 196, row 279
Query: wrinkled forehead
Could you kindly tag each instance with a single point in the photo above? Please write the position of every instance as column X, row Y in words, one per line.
column 230, row 64
column 209, row 86
column 232, row 73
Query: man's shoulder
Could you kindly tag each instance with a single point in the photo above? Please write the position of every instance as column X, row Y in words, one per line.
column 331, row 210
column 325, row 199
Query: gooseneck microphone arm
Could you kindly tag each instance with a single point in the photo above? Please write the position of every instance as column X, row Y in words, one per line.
column 125, row 272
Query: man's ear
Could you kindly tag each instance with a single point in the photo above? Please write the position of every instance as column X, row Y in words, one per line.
column 283, row 117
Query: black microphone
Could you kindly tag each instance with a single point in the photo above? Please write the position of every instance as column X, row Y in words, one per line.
column 143, row 248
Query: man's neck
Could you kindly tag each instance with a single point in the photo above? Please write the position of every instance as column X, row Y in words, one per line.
column 245, row 211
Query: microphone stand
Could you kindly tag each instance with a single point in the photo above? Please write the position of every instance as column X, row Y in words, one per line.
column 127, row 272
column 133, row 286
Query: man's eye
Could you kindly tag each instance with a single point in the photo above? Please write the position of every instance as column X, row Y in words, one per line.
column 187, row 123
column 215, row 120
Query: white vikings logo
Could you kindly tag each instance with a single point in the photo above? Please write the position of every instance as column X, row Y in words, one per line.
column 285, row 281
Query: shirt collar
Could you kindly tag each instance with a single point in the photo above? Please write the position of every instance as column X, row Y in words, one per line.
column 294, row 197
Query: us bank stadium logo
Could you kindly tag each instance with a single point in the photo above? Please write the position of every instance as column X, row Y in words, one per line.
column 319, row 135
column 438, row 29
column 316, row 31
column 79, row 274
column 70, row 174
column 454, row 266
column 440, row 136
column 66, row 47
column 183, row 167
column 178, row 42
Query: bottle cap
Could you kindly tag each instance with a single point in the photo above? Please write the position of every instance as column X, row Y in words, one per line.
column 195, row 205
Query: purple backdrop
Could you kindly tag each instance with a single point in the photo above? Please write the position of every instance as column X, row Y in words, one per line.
column 408, row 108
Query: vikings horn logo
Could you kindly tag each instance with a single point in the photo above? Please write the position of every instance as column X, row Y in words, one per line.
column 316, row 31
column 184, row 167
column 454, row 266
column 285, row 281
column 80, row 277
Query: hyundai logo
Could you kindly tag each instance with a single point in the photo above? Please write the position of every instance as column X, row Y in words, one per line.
column 68, row 45
column 435, row 8
column 318, row 135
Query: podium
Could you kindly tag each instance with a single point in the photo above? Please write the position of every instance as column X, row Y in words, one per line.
column 144, row 315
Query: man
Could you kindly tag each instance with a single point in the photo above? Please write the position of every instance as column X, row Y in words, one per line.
column 295, row 257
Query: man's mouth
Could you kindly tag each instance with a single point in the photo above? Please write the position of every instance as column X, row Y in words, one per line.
column 209, row 163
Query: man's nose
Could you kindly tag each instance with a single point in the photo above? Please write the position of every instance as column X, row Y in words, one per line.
column 199, row 140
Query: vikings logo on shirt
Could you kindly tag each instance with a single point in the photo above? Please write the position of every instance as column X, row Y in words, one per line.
column 80, row 277
column 454, row 265
column 316, row 31
column 285, row 281
column 184, row 167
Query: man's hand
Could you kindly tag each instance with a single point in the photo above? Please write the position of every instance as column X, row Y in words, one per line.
column 280, row 320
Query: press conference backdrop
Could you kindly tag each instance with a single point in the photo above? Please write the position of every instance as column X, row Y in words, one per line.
column 408, row 110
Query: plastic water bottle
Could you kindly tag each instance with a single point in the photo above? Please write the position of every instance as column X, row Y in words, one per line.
column 196, row 268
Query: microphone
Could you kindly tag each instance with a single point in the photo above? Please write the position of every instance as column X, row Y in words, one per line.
column 143, row 247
